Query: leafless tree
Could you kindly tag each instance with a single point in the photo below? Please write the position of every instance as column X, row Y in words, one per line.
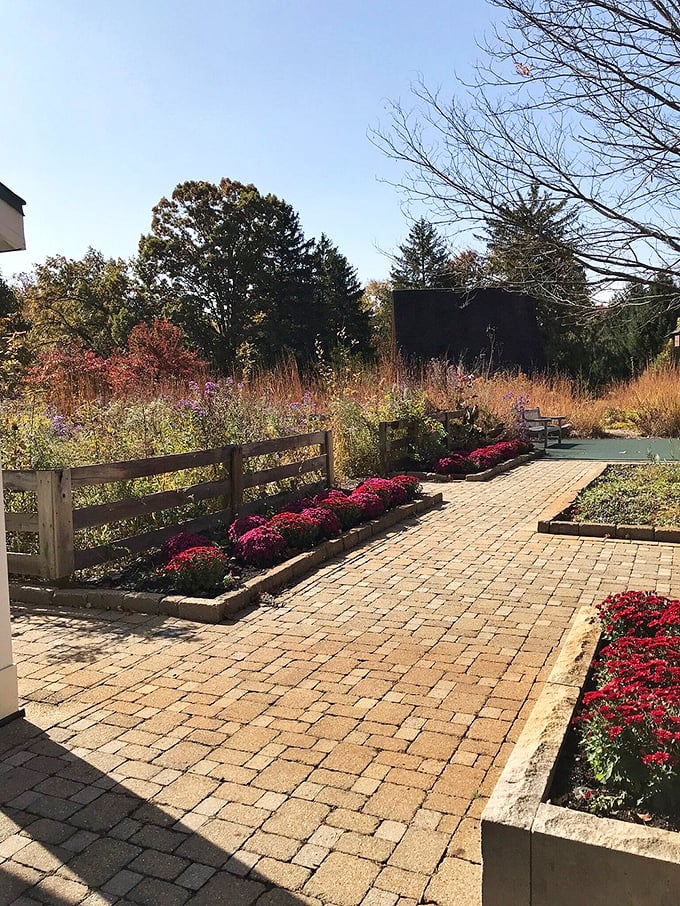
column 578, row 97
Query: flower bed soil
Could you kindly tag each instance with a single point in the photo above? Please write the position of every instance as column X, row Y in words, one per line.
column 254, row 583
column 558, row 519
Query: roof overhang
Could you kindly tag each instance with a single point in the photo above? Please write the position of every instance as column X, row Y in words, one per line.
column 11, row 221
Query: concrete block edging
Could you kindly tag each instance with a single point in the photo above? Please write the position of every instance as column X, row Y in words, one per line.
column 554, row 521
column 213, row 610
column 535, row 853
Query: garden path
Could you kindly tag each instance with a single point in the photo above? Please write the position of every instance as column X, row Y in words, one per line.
column 336, row 747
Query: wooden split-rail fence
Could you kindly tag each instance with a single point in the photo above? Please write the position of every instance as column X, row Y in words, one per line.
column 55, row 521
column 397, row 436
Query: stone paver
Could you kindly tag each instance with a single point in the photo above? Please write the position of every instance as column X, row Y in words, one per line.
column 336, row 749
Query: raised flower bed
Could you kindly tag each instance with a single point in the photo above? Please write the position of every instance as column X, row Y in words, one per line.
column 626, row 753
column 189, row 576
column 480, row 464
column 631, row 502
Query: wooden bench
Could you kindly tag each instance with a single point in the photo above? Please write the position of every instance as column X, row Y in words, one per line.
column 543, row 427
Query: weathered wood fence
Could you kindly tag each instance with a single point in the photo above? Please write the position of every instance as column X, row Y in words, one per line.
column 396, row 437
column 55, row 521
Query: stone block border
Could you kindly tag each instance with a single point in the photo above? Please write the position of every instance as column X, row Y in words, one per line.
column 555, row 521
column 480, row 476
column 213, row 610
column 535, row 853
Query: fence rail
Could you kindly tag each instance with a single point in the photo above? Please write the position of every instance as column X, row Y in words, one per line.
column 55, row 520
column 396, row 437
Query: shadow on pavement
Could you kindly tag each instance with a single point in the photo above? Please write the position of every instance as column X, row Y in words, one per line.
column 67, row 829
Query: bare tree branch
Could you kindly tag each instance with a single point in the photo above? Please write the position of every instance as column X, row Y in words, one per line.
column 578, row 97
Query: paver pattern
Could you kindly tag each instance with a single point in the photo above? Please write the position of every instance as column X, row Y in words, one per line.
column 336, row 748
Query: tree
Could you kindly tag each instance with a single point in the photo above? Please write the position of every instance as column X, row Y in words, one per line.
column 94, row 300
column 377, row 303
column 342, row 322
column 201, row 262
column 14, row 350
column 283, row 288
column 422, row 259
column 233, row 269
column 467, row 270
column 629, row 334
column 578, row 98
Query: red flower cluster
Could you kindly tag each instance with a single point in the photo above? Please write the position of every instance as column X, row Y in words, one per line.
column 261, row 546
column 197, row 569
column 409, row 483
column 343, row 506
column 182, row 542
column 639, row 613
column 261, row 542
column 298, row 531
column 325, row 520
column 244, row 524
column 630, row 724
column 370, row 504
column 460, row 463
column 383, row 487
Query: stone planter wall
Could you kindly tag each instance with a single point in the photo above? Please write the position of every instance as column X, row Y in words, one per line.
column 213, row 610
column 538, row 854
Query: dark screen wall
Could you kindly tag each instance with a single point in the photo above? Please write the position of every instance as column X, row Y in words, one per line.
column 446, row 323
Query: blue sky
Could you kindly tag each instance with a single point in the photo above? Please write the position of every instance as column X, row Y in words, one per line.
column 107, row 106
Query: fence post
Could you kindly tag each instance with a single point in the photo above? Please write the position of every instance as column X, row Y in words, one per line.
column 236, row 480
column 328, row 452
column 55, row 522
column 382, row 446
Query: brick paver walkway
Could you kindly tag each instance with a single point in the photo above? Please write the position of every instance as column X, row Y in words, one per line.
column 337, row 748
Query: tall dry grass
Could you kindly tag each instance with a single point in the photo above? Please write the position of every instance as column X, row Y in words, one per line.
column 651, row 402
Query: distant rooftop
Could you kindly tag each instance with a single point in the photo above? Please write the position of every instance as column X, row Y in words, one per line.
column 11, row 198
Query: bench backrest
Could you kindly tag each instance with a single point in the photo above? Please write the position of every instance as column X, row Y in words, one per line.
column 530, row 415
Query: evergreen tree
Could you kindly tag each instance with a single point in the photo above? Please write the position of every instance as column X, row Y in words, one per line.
column 632, row 330
column 283, row 321
column 531, row 249
column 337, row 301
column 422, row 260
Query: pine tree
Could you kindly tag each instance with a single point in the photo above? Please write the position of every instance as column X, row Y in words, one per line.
column 531, row 249
column 341, row 320
column 422, row 260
